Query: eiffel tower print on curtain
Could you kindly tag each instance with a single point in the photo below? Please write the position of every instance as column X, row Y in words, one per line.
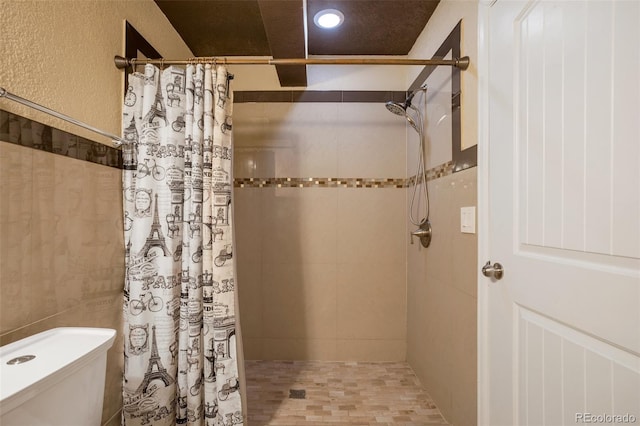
column 155, row 238
column 158, row 110
column 160, row 373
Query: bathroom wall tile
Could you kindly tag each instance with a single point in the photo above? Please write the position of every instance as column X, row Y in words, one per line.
column 58, row 207
column 416, row 253
column 252, row 347
column 15, row 236
column 249, row 287
column 299, row 301
column 464, row 275
column 464, row 374
column 319, row 349
column 439, row 255
column 254, row 162
column 438, row 119
column 114, row 420
column 248, row 212
column 43, row 297
column 43, row 185
column 299, row 225
column 465, row 253
column 440, row 332
column 419, row 301
column 305, row 226
column 371, row 225
column 440, row 391
column 371, row 141
column 17, row 181
column 299, row 349
column 27, row 330
column 69, row 177
column 372, row 300
column 388, row 350
column 310, row 138
column 294, row 140
column 430, row 327
column 104, row 311
column 417, row 198
column 101, row 244
column 246, row 110
column 412, row 149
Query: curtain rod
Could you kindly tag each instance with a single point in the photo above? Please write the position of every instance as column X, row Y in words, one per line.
column 461, row 63
column 116, row 140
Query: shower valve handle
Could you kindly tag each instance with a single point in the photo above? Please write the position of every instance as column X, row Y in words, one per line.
column 423, row 233
column 420, row 233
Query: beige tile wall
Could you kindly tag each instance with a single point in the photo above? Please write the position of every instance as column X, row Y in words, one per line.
column 442, row 298
column 321, row 271
column 61, row 250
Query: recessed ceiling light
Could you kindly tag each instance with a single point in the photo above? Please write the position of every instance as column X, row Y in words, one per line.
column 328, row 18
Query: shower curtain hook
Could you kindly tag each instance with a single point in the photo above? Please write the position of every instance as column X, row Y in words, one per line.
column 161, row 64
column 132, row 63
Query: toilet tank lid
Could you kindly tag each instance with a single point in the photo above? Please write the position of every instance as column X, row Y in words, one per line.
column 58, row 352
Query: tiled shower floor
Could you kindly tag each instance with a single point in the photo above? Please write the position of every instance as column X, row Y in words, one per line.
column 337, row 393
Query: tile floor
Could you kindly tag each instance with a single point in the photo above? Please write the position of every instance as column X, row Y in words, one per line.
column 337, row 393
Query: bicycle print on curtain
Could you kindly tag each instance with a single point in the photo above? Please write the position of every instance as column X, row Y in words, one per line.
column 181, row 348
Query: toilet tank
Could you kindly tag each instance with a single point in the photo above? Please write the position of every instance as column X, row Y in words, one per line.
column 55, row 378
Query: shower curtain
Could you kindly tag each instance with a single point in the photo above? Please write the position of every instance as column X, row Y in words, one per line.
column 181, row 350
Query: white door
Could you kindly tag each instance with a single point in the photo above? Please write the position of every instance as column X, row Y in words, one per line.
column 559, row 338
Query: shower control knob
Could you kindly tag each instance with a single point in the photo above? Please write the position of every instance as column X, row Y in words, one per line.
column 496, row 271
column 423, row 233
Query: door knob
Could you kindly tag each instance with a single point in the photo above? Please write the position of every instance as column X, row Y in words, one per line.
column 494, row 271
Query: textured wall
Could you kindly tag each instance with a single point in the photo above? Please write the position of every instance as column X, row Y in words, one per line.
column 60, row 54
column 441, row 279
column 61, row 250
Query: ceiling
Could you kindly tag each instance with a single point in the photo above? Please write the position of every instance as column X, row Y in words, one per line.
column 276, row 28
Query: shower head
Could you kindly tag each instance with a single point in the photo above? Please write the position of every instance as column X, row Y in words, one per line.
column 401, row 109
column 397, row 108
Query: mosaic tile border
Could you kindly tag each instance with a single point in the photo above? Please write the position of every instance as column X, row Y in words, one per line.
column 311, row 182
column 23, row 131
column 434, row 173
